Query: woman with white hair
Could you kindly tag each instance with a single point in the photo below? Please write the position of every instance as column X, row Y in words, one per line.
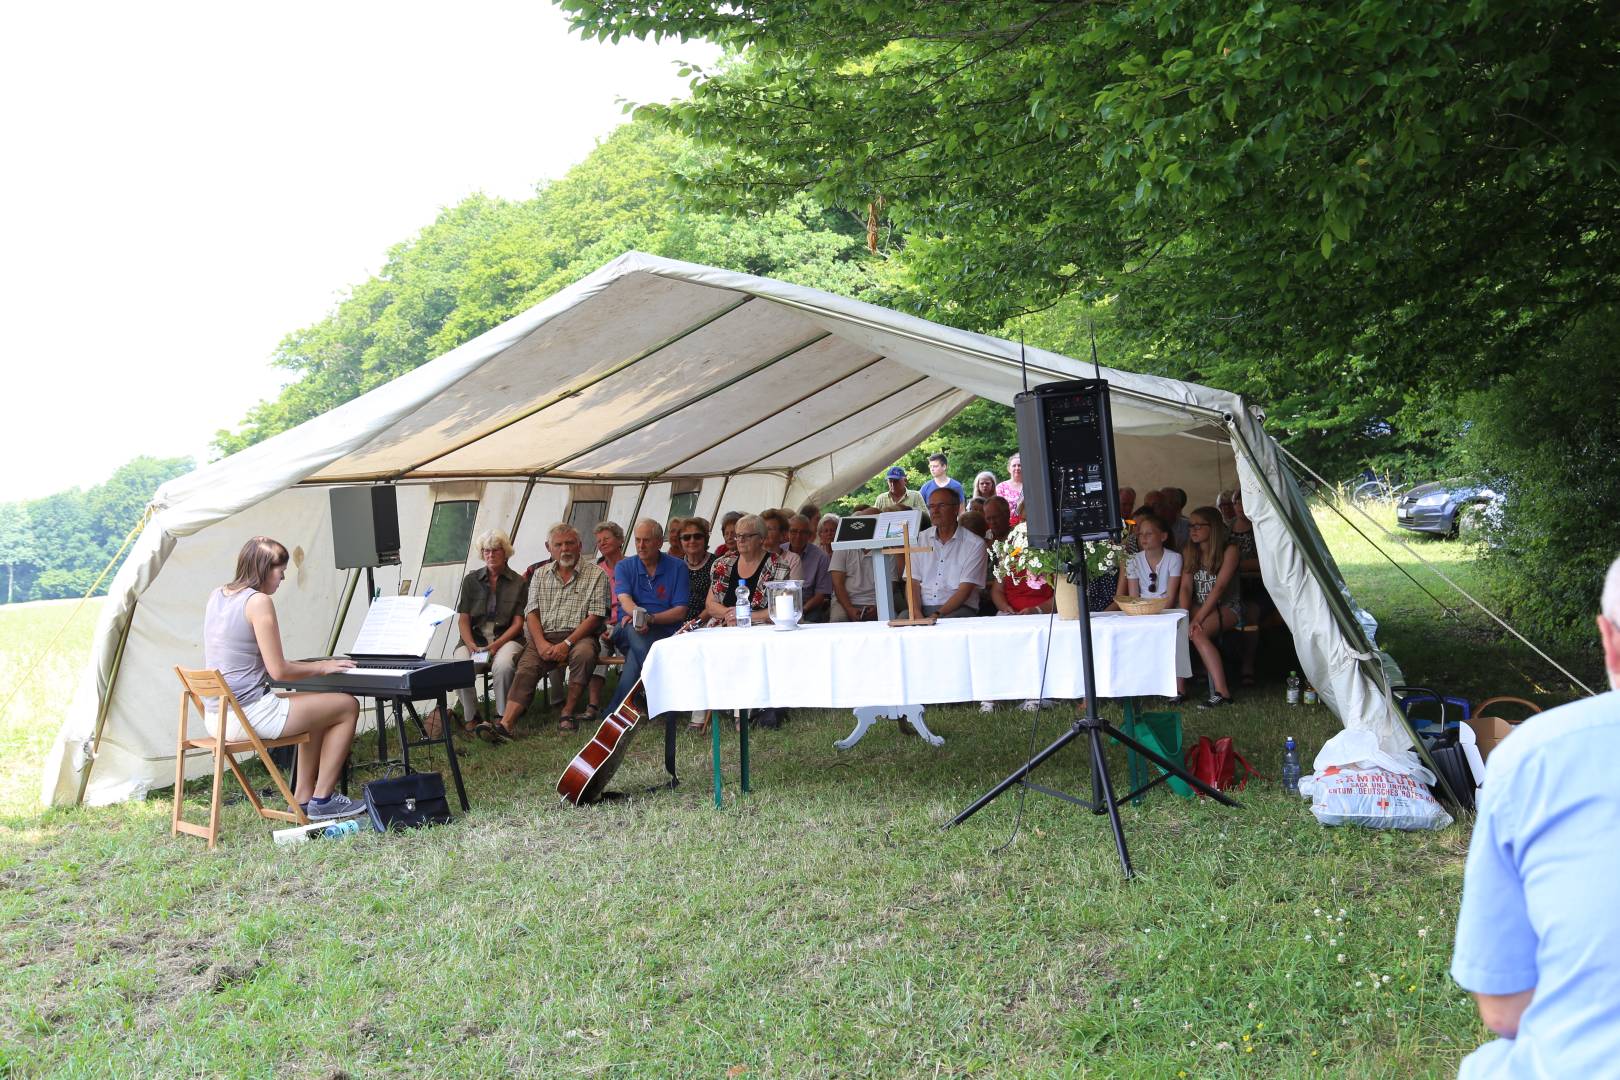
column 490, row 621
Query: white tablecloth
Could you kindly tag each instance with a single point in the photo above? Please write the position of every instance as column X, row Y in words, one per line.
column 850, row 665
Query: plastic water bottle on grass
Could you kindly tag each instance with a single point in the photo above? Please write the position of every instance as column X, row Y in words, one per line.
column 1293, row 688
column 745, row 614
column 1290, row 767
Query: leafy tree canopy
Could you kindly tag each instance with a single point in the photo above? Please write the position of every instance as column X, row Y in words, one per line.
column 1334, row 206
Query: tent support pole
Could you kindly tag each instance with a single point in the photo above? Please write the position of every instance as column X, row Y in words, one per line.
column 787, row 486
column 1336, row 602
column 635, row 515
column 106, row 707
column 720, row 501
column 523, row 504
column 343, row 611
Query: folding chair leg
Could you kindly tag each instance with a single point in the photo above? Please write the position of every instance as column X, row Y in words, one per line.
column 219, row 782
column 179, row 767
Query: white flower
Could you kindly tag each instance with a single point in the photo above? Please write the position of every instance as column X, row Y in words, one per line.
column 1341, row 960
column 1307, row 935
column 1385, row 979
column 1316, row 911
column 1423, row 931
column 1223, row 1045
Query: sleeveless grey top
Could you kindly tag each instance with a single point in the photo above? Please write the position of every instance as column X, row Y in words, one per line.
column 230, row 645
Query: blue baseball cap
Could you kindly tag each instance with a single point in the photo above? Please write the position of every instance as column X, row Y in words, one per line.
column 896, row 473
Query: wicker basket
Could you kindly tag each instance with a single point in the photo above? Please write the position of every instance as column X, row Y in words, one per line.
column 1136, row 605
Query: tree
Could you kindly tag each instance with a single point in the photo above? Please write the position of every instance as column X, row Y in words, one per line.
column 1342, row 207
column 16, row 542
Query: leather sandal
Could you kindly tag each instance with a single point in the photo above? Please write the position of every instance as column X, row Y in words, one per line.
column 567, row 723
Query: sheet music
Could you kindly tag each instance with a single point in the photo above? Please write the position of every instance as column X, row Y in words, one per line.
column 399, row 626
column 890, row 526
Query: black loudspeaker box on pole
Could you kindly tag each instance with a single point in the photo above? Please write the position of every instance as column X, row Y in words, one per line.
column 1066, row 445
column 365, row 526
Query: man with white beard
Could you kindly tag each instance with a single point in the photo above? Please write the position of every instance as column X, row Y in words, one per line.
column 568, row 605
column 1538, row 934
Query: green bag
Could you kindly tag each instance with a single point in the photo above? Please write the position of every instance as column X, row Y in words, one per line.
column 1161, row 733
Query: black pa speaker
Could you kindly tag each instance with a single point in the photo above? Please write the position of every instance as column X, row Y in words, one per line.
column 1066, row 444
column 365, row 526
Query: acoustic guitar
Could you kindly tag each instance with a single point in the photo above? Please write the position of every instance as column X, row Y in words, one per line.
column 582, row 782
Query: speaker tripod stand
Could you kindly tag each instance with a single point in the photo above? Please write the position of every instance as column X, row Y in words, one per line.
column 1094, row 728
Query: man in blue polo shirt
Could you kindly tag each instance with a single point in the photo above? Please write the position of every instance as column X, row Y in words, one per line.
column 939, row 477
column 656, row 583
column 1538, row 934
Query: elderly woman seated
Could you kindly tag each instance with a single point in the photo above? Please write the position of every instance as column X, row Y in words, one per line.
column 752, row 564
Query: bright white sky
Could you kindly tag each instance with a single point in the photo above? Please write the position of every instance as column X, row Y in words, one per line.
column 185, row 183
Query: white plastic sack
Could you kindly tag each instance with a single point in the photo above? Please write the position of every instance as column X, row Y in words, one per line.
column 1358, row 783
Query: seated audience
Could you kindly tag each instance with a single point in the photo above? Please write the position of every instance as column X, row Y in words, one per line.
column 984, row 485
column 853, row 583
column 826, row 531
column 813, row 567
column 1172, row 500
column 951, row 571
column 776, row 535
column 489, row 619
column 898, row 496
column 1256, row 601
column 752, row 563
column 609, row 537
column 976, row 504
column 812, row 514
column 997, row 518
column 939, row 477
column 973, row 521
column 700, row 565
column 1012, row 488
column 1223, row 503
column 1154, row 570
column 728, row 525
column 566, row 610
column 1538, row 932
column 1012, row 593
column 672, row 533
column 1209, row 592
column 654, row 586
column 242, row 641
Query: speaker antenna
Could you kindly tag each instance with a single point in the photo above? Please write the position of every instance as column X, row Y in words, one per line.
column 1096, row 369
column 1023, row 360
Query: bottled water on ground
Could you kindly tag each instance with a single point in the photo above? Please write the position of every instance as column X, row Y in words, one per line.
column 1293, row 688
column 745, row 614
column 1290, row 767
column 1310, row 694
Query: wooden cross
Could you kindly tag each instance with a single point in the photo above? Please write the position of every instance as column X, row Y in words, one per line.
column 913, row 600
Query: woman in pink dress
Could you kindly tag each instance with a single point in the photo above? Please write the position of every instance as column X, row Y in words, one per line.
column 1012, row 489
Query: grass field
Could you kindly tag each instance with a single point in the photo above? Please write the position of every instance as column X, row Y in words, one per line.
column 823, row 925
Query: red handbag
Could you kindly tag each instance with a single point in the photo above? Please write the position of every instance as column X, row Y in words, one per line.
column 1215, row 763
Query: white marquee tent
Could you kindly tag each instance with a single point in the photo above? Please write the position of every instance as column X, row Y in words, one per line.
column 650, row 387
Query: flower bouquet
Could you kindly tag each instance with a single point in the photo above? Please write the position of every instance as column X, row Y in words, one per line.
column 1013, row 557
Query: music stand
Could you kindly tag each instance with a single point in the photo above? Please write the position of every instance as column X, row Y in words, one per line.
column 1093, row 727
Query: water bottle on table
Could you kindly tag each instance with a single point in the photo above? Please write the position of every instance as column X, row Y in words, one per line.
column 1290, row 767
column 745, row 613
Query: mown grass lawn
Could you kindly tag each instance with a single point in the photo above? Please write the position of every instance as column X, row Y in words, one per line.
column 823, row 925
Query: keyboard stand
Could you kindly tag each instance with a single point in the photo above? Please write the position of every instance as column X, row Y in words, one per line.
column 446, row 738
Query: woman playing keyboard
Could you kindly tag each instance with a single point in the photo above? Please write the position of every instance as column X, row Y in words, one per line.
column 242, row 639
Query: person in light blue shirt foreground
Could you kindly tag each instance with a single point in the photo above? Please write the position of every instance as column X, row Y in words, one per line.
column 658, row 584
column 1538, row 934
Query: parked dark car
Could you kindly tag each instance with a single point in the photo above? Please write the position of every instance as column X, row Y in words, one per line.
column 1446, row 507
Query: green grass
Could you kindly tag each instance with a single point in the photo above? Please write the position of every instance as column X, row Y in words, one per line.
column 823, row 925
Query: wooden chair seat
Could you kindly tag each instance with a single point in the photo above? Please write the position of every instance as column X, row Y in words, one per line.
column 199, row 687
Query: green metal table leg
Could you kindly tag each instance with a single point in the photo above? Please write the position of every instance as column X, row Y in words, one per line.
column 743, row 719
column 715, row 722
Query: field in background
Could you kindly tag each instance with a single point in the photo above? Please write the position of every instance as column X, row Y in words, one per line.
column 38, row 683
column 823, row 925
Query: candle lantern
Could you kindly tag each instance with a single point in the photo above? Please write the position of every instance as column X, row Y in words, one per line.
column 785, row 601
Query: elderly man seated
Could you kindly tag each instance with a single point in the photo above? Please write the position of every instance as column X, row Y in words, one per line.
column 812, row 566
column 568, row 603
column 490, row 620
column 853, row 584
column 951, row 571
column 653, row 588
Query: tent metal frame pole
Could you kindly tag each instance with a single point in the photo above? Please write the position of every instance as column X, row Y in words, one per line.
column 523, row 505
column 787, row 486
column 745, row 466
column 720, row 501
column 575, row 390
column 823, row 388
column 342, row 611
column 665, row 414
column 844, row 446
column 106, row 706
column 1337, row 604
column 641, row 497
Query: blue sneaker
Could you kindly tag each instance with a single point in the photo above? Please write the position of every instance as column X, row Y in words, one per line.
column 333, row 806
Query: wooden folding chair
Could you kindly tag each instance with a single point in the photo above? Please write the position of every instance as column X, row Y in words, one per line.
column 200, row 687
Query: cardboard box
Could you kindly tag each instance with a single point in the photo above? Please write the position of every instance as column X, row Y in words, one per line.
column 1490, row 730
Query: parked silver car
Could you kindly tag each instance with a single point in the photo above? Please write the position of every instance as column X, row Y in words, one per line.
column 1446, row 508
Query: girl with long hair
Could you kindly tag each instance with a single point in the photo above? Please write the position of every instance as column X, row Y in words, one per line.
column 1209, row 592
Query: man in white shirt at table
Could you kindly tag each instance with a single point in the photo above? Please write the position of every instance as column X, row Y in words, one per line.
column 950, row 572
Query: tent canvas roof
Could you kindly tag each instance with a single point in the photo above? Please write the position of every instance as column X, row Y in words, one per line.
column 650, row 371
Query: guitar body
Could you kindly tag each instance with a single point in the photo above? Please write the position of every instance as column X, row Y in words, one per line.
column 588, row 774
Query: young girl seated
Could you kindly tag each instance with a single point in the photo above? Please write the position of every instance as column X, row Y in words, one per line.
column 242, row 640
column 1209, row 592
column 1155, row 570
